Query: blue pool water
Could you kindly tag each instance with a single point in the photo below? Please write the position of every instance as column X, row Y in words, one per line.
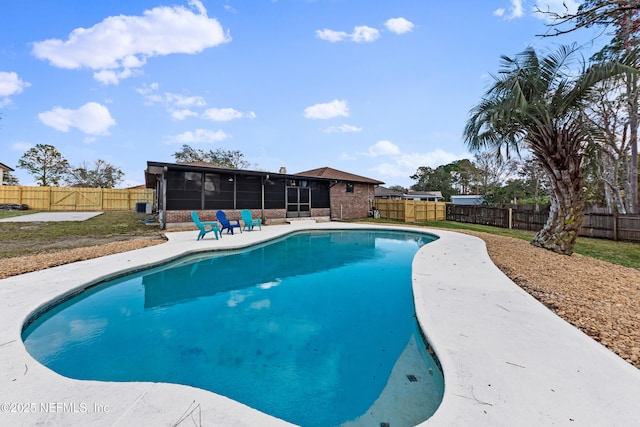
column 307, row 328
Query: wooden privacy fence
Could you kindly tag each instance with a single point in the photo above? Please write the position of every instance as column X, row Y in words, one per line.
column 76, row 199
column 411, row 210
column 612, row 227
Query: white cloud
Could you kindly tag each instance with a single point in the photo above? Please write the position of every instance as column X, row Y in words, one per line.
column 179, row 100
column 346, row 156
column 92, row 118
column 328, row 110
column 342, row 129
column 332, row 36
column 399, row 25
column 363, row 33
column 182, row 114
column 383, row 148
column 120, row 45
column 198, row 136
column 360, row 33
column 147, row 89
column 169, row 99
column 10, row 84
column 412, row 161
column 399, row 164
column 516, row 10
column 230, row 9
column 225, row 114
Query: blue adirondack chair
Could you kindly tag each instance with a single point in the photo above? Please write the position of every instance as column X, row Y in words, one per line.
column 205, row 227
column 249, row 221
column 228, row 225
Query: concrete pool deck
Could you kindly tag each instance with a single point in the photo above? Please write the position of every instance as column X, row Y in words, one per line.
column 507, row 360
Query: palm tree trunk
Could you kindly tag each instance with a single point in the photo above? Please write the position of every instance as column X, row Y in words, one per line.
column 563, row 166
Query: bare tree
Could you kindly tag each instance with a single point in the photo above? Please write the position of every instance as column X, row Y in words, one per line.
column 624, row 17
column 492, row 171
column 608, row 160
column 588, row 14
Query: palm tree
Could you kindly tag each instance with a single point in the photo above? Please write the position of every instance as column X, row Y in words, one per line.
column 535, row 104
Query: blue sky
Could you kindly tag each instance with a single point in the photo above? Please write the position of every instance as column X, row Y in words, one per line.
column 375, row 88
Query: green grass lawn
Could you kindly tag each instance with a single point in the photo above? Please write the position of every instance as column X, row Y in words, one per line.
column 623, row 253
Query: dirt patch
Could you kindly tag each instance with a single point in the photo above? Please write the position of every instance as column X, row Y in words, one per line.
column 600, row 298
column 94, row 248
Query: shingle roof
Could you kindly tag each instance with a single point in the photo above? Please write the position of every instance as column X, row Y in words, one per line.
column 384, row 191
column 331, row 173
column 425, row 193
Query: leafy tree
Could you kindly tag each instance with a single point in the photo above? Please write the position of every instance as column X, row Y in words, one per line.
column 9, row 179
column 45, row 163
column 536, row 103
column 510, row 193
column 465, row 176
column 102, row 175
column 457, row 177
column 224, row 158
column 397, row 188
column 438, row 179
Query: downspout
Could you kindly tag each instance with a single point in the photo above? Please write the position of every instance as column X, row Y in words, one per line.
column 163, row 216
column 235, row 191
column 264, row 180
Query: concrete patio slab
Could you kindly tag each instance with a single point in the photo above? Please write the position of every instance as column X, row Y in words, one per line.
column 507, row 359
column 52, row 217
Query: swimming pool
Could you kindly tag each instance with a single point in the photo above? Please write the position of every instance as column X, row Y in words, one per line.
column 309, row 328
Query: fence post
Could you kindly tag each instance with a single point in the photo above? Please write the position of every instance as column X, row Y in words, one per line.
column 510, row 218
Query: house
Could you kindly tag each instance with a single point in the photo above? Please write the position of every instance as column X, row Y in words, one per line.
column 351, row 196
column 428, row 196
column 4, row 168
column 387, row 193
column 275, row 197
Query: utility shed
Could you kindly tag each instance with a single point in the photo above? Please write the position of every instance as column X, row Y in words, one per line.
column 467, row 200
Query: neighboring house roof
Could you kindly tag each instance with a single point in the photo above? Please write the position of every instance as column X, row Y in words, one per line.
column 387, row 192
column 5, row 167
column 424, row 194
column 336, row 174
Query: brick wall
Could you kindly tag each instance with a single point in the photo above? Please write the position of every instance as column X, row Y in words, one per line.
column 351, row 205
column 270, row 215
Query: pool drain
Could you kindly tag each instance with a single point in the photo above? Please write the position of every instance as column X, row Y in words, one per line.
column 412, row 378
